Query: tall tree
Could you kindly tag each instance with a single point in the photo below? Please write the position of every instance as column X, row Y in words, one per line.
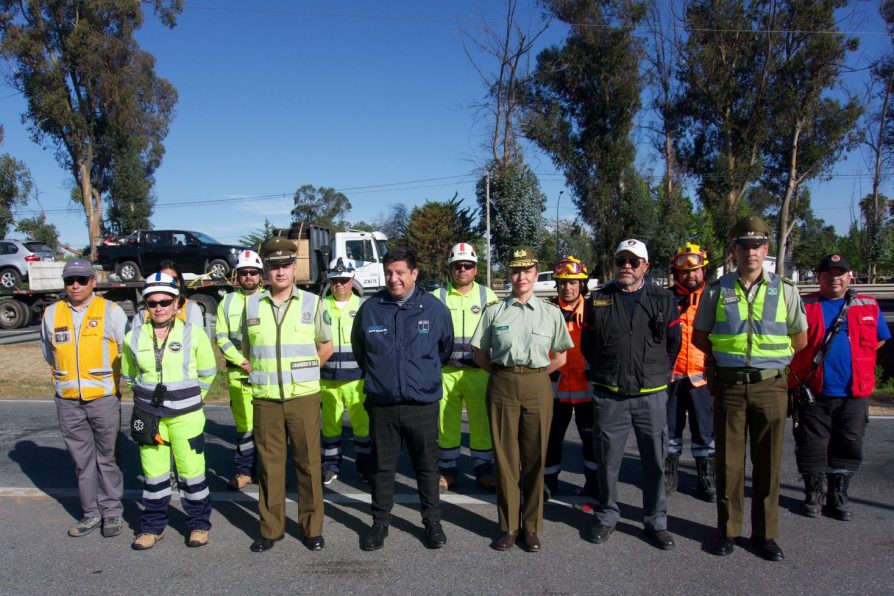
column 723, row 106
column 516, row 205
column 433, row 228
column 87, row 83
column 322, row 206
column 38, row 229
column 256, row 238
column 810, row 129
column 15, row 188
column 582, row 101
column 394, row 223
column 130, row 188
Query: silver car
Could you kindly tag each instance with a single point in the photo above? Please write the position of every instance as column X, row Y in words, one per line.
column 14, row 258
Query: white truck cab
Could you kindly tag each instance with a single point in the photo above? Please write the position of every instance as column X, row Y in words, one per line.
column 366, row 250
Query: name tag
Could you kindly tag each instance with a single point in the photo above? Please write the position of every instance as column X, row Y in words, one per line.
column 731, row 299
column 252, row 322
column 600, row 303
column 305, row 364
column 62, row 335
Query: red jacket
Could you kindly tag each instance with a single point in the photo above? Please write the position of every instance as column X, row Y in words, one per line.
column 690, row 362
column 862, row 331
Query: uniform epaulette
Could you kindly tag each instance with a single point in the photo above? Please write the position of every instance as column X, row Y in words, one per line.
column 550, row 302
column 788, row 281
column 492, row 302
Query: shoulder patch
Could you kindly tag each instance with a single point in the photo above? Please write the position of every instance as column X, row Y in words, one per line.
column 492, row 302
column 550, row 302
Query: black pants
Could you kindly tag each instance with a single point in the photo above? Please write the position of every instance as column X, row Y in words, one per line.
column 830, row 434
column 583, row 419
column 684, row 399
column 390, row 427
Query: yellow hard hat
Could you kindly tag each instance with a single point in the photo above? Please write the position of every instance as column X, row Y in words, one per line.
column 689, row 257
column 570, row 268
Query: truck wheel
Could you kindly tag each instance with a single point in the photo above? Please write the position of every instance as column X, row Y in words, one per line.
column 10, row 279
column 219, row 269
column 14, row 314
column 206, row 303
column 128, row 271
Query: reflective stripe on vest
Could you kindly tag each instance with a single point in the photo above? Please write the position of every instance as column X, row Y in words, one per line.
column 284, row 360
column 234, row 336
column 341, row 366
column 462, row 336
column 739, row 339
column 178, row 371
column 83, row 361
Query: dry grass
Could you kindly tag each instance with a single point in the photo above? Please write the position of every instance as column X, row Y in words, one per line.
column 25, row 375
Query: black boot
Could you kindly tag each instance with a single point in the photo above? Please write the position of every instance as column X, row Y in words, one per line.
column 670, row 473
column 836, row 499
column 707, row 489
column 813, row 493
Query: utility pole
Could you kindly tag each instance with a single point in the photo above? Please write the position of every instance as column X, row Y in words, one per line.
column 558, row 256
column 487, row 217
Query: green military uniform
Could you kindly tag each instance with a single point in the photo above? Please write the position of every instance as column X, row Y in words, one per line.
column 519, row 338
column 750, row 331
column 463, row 381
column 228, row 334
column 280, row 340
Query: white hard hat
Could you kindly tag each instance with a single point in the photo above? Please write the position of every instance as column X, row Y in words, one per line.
column 462, row 252
column 160, row 282
column 339, row 269
column 249, row 258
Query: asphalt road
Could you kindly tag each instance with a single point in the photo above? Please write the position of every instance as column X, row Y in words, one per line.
column 38, row 503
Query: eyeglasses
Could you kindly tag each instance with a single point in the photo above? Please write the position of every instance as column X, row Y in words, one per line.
column 341, row 280
column 690, row 261
column 464, row 266
column 82, row 280
column 161, row 303
column 634, row 261
column 248, row 272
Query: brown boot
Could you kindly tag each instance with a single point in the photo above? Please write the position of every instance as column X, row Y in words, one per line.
column 197, row 538
column 239, row 481
column 146, row 541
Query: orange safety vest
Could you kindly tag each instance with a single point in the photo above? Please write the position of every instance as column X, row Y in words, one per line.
column 87, row 368
column 573, row 385
column 690, row 362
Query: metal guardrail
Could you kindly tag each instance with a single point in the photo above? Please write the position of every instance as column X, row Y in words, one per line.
column 20, row 337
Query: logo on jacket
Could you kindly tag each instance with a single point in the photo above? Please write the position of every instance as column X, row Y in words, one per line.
column 93, row 323
column 137, row 424
column 476, row 309
column 305, row 317
column 176, row 346
column 772, row 291
column 423, row 326
column 376, row 329
column 326, row 318
column 352, row 314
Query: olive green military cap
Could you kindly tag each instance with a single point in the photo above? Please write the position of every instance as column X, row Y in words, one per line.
column 523, row 256
column 278, row 249
column 750, row 230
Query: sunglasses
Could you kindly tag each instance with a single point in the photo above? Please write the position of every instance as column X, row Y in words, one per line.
column 161, row 303
column 82, row 280
column 634, row 261
column 464, row 266
column 248, row 272
column 690, row 261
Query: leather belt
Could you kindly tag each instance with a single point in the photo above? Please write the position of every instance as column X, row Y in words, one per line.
column 519, row 370
column 746, row 376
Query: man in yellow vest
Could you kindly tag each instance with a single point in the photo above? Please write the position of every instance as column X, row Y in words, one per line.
column 749, row 324
column 81, row 338
column 286, row 341
column 463, row 381
column 228, row 334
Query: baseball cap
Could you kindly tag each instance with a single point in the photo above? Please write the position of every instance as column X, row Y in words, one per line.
column 834, row 261
column 635, row 247
column 78, row 267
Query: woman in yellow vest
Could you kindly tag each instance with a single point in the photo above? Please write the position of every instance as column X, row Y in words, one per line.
column 187, row 310
column 170, row 366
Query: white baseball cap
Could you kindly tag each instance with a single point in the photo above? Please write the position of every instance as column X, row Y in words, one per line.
column 635, row 247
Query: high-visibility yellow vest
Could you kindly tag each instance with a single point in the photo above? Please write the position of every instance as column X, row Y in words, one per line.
column 342, row 366
column 86, row 365
column 751, row 334
column 228, row 328
column 187, row 368
column 283, row 354
column 465, row 312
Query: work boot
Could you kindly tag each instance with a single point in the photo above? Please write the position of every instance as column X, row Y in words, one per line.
column 111, row 526
column 146, row 541
column 813, row 494
column 670, row 473
column 329, row 476
column 197, row 538
column 706, row 489
column 446, row 482
column 84, row 527
column 836, row 498
column 239, row 482
column 487, row 482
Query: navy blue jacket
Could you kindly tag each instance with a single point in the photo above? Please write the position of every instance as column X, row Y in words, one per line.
column 401, row 349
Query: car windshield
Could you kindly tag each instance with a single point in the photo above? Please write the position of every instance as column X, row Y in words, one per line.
column 37, row 247
column 204, row 238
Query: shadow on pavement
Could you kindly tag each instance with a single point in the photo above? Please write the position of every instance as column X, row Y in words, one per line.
column 48, row 468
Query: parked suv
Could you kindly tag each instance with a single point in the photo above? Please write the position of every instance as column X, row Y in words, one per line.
column 14, row 258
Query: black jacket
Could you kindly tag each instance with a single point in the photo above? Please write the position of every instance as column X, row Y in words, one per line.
column 631, row 356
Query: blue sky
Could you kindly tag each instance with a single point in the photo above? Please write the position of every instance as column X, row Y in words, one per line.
column 369, row 98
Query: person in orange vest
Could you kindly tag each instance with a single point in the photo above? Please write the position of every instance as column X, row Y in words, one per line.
column 572, row 390
column 81, row 337
column 688, row 393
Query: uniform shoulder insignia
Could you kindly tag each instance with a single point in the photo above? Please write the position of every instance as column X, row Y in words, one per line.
column 550, row 302
column 492, row 302
column 714, row 283
column 788, row 281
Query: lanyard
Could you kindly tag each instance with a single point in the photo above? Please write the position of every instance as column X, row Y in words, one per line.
column 159, row 351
